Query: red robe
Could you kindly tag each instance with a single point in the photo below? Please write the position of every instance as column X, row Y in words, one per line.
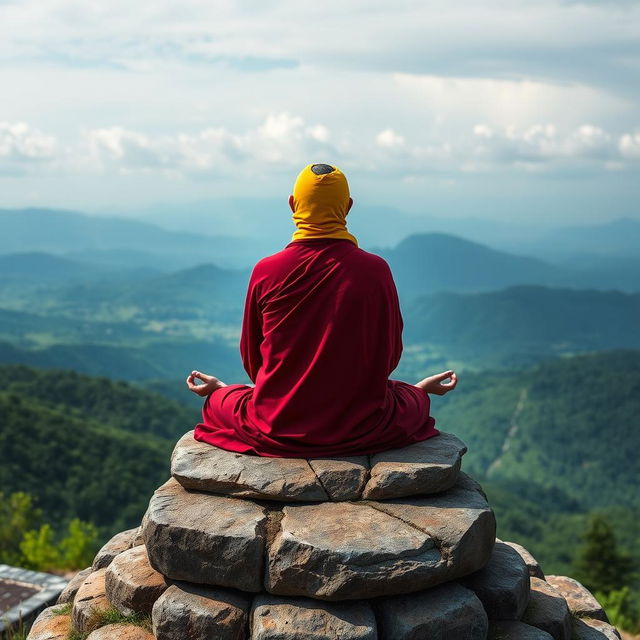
column 321, row 333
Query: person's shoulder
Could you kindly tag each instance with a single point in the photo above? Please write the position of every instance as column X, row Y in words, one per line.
column 372, row 260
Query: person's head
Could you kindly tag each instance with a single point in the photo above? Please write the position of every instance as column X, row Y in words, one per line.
column 320, row 203
column 313, row 189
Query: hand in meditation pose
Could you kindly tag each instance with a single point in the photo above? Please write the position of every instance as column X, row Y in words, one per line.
column 321, row 333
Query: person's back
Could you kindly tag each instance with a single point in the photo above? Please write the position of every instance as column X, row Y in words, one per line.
column 322, row 331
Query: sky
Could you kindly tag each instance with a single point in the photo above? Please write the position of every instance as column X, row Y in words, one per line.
column 510, row 110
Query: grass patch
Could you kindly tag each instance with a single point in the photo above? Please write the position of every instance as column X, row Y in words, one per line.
column 103, row 617
column 63, row 609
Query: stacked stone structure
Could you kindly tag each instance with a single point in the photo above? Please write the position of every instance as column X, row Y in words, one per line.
column 395, row 546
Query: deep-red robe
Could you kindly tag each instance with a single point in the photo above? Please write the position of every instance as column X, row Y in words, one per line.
column 321, row 333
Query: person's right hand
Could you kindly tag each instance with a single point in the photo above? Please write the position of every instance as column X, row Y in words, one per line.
column 436, row 385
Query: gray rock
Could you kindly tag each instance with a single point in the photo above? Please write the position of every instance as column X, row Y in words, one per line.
column 514, row 630
column 535, row 571
column 198, row 465
column 90, row 601
column 50, row 625
column 580, row 600
column 120, row 632
column 69, row 592
column 589, row 629
column 205, row 538
column 342, row 478
column 502, row 585
column 336, row 551
column 132, row 584
column 275, row 618
column 548, row 610
column 447, row 612
column 119, row 543
column 198, row 613
column 427, row 467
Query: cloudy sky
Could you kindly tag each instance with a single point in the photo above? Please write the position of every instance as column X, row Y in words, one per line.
column 503, row 109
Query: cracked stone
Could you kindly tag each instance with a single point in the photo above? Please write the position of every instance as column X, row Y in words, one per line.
column 446, row 612
column 426, row 467
column 580, row 600
column 90, row 600
column 132, row 584
column 119, row 543
column 535, row 571
column 198, row 465
column 548, row 610
column 342, row 478
column 275, row 618
column 50, row 625
column 120, row 632
column 189, row 611
column 69, row 592
column 204, row 538
column 514, row 630
column 589, row 629
column 502, row 585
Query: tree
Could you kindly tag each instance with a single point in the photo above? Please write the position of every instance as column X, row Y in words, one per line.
column 600, row 565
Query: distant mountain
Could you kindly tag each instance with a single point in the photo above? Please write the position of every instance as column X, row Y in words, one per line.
column 431, row 262
column 61, row 232
column 523, row 324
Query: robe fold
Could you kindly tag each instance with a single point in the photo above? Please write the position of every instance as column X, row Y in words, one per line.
column 321, row 333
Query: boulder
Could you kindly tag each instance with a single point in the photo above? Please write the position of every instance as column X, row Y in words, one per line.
column 502, row 585
column 198, row 613
column 535, row 570
column 337, row 551
column 590, row 629
column 51, row 625
column 548, row 610
column 580, row 600
column 427, row 467
column 69, row 592
column 90, row 601
column 341, row 478
column 204, row 538
column 446, row 612
column 198, row 465
column 120, row 632
column 275, row 618
column 132, row 584
column 119, row 543
column 514, row 630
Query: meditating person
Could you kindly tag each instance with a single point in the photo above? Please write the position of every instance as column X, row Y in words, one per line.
column 321, row 333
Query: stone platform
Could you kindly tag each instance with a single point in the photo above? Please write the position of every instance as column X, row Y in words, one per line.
column 396, row 546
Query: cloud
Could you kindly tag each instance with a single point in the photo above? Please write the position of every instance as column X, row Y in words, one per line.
column 629, row 146
column 20, row 143
column 389, row 139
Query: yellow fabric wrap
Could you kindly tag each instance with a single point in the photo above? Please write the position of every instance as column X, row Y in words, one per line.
column 320, row 205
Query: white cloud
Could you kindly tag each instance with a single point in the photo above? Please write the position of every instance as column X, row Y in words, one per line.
column 629, row 145
column 21, row 143
column 389, row 139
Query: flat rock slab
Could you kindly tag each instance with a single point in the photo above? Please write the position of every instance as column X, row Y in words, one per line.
column 120, row 632
column 589, row 629
column 198, row 465
column 447, row 612
column 342, row 478
column 581, row 601
column 535, row 571
column 345, row 551
column 132, row 584
column 548, row 610
column 90, row 600
column 514, row 630
column 198, row 613
column 502, row 585
column 69, row 592
column 50, row 625
column 427, row 467
column 275, row 618
column 204, row 538
column 119, row 543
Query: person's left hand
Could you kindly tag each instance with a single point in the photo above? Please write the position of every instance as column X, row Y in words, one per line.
column 437, row 386
column 209, row 383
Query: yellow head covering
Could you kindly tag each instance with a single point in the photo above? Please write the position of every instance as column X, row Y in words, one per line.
column 320, row 204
